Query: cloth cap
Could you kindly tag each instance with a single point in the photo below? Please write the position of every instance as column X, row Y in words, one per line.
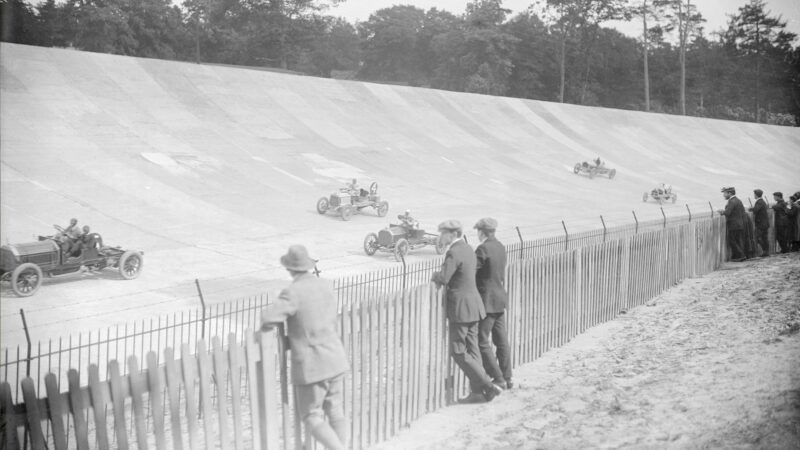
column 297, row 259
column 778, row 194
column 758, row 192
column 731, row 190
column 450, row 225
column 487, row 223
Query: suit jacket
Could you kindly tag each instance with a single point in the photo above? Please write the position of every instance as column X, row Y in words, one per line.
column 734, row 214
column 760, row 214
column 310, row 311
column 781, row 214
column 491, row 274
column 462, row 299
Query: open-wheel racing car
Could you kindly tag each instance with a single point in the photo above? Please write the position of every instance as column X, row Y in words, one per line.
column 661, row 195
column 346, row 202
column 399, row 240
column 594, row 169
column 24, row 265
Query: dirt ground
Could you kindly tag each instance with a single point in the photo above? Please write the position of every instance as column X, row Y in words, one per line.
column 712, row 363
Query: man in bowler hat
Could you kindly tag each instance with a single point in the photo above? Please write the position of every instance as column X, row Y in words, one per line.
column 464, row 309
column 735, row 220
column 490, row 279
column 318, row 358
column 761, row 220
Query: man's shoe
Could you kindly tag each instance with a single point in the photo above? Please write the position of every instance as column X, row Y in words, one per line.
column 500, row 383
column 473, row 397
column 491, row 391
column 509, row 384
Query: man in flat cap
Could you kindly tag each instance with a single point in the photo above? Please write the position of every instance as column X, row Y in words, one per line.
column 318, row 358
column 491, row 280
column 735, row 221
column 783, row 227
column 761, row 220
column 464, row 309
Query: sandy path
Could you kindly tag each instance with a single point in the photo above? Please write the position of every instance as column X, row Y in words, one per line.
column 712, row 363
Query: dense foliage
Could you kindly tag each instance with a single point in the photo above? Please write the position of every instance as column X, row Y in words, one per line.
column 557, row 50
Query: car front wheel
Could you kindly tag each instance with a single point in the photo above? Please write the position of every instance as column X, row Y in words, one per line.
column 371, row 244
column 322, row 205
column 130, row 264
column 26, row 279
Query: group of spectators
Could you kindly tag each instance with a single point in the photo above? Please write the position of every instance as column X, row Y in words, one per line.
column 475, row 304
column 750, row 238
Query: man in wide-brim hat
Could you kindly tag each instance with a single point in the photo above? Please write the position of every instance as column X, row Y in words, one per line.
column 464, row 309
column 319, row 362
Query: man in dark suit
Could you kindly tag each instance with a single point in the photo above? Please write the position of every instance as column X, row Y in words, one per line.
column 464, row 309
column 490, row 279
column 761, row 220
column 318, row 358
column 735, row 221
column 783, row 228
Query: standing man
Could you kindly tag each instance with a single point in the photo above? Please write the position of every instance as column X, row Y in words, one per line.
column 761, row 220
column 491, row 280
column 783, row 227
column 464, row 309
column 735, row 220
column 318, row 358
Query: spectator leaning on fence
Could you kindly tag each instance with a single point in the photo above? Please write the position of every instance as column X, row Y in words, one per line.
column 464, row 309
column 761, row 220
column 318, row 359
column 490, row 279
column 782, row 226
column 735, row 221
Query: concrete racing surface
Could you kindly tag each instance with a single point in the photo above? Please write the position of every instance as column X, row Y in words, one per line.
column 214, row 171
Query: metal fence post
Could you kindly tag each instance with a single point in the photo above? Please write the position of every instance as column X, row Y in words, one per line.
column 521, row 244
column 604, row 228
column 637, row 221
column 690, row 212
column 566, row 235
column 664, row 216
column 27, row 338
column 203, row 304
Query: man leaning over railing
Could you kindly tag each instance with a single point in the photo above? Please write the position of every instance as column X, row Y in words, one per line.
column 319, row 361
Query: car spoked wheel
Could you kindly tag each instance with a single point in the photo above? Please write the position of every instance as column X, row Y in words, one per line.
column 612, row 173
column 383, row 208
column 577, row 168
column 371, row 244
column 347, row 212
column 130, row 264
column 322, row 205
column 26, row 279
column 401, row 249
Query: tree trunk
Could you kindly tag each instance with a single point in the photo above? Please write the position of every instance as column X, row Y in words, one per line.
column 758, row 67
column 646, row 71
column 563, row 64
column 682, row 25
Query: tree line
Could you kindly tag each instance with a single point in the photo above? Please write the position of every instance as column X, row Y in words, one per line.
column 556, row 50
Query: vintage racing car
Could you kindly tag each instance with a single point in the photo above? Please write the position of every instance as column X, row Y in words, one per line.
column 346, row 202
column 24, row 265
column 593, row 169
column 399, row 240
column 661, row 195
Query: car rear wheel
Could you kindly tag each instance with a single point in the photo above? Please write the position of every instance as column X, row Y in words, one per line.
column 644, row 197
column 400, row 249
column 611, row 173
column 373, row 188
column 674, row 198
column 347, row 212
column 26, row 279
column 577, row 168
column 322, row 205
column 130, row 264
column 371, row 244
column 383, row 208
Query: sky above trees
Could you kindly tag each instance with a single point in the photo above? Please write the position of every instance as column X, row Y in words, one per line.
column 716, row 12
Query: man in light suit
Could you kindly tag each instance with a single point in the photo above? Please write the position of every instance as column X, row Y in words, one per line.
column 318, row 358
column 735, row 221
column 464, row 309
column 761, row 220
column 490, row 279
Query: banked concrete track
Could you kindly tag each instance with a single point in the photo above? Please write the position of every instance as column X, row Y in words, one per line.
column 213, row 171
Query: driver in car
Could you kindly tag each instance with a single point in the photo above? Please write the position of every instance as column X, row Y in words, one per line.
column 408, row 222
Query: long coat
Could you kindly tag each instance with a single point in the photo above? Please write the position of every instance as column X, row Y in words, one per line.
column 491, row 274
column 309, row 308
column 760, row 214
column 734, row 214
column 463, row 303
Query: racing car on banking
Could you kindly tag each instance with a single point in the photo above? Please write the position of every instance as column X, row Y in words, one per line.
column 347, row 202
